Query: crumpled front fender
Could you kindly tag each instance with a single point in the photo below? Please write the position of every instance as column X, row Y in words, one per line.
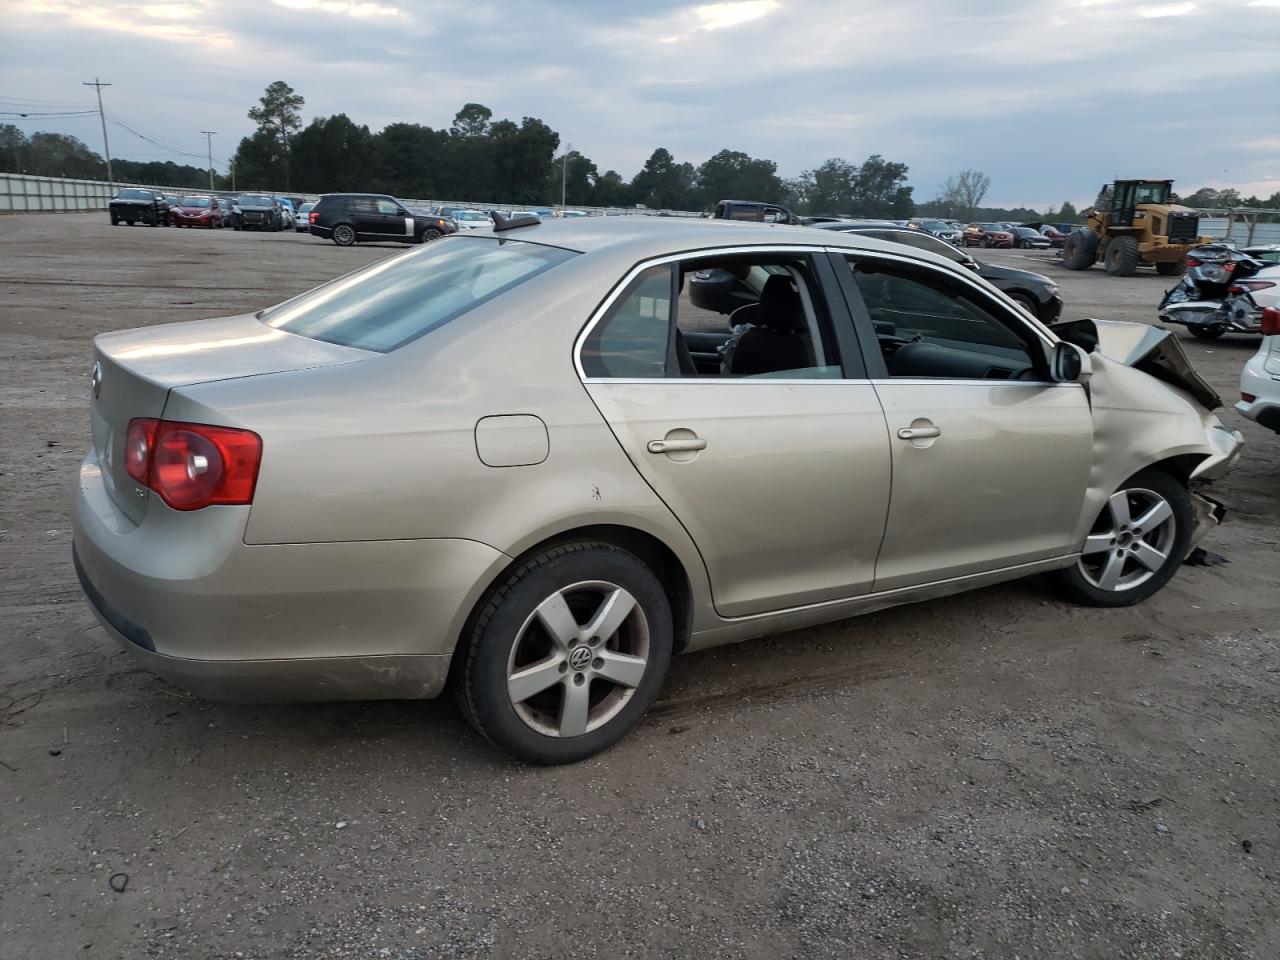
column 1149, row 406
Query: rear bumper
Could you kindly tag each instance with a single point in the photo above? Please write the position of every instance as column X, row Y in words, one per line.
column 187, row 597
column 1265, row 413
column 392, row 677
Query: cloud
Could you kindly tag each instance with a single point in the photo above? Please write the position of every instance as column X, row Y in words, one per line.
column 1020, row 90
column 718, row 16
column 350, row 8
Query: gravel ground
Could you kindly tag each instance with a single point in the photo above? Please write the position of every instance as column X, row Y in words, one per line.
column 995, row 775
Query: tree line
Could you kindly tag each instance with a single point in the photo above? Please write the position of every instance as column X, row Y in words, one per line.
column 477, row 158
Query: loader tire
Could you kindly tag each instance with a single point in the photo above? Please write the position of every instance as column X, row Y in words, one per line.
column 1121, row 257
column 1080, row 250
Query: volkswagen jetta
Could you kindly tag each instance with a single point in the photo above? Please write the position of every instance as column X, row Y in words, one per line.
column 519, row 462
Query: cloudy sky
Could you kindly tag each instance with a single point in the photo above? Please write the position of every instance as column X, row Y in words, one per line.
column 1050, row 97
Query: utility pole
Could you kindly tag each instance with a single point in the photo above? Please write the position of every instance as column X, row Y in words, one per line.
column 208, row 139
column 231, row 167
column 98, row 85
column 564, row 172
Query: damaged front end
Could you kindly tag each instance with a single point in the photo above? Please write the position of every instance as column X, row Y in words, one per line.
column 1138, row 423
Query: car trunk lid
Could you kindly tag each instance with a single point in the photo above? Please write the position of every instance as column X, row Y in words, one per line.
column 134, row 370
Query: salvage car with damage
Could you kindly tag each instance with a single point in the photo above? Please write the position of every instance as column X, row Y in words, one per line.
column 520, row 464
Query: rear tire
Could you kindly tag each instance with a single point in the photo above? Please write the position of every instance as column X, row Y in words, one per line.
column 1124, row 552
column 522, row 670
column 1080, row 250
column 1170, row 269
column 344, row 235
column 429, row 234
column 1206, row 333
column 1121, row 257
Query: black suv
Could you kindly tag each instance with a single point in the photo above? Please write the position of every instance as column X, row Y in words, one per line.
column 754, row 211
column 136, row 205
column 347, row 218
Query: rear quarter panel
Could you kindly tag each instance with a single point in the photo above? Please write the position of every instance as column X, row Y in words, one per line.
column 384, row 449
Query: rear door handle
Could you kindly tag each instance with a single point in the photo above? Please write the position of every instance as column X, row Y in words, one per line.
column 919, row 433
column 676, row 446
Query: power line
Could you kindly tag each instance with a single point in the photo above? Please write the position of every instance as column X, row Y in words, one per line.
column 45, row 103
column 73, row 113
column 97, row 86
column 152, row 140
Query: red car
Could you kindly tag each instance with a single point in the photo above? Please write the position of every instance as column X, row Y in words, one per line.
column 987, row 235
column 1055, row 236
column 197, row 212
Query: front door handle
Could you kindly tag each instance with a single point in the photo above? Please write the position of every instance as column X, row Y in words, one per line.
column 679, row 445
column 920, row 433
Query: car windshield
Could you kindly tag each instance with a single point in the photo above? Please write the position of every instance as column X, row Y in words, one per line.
column 470, row 215
column 135, row 195
column 195, row 201
column 306, row 208
column 996, row 227
column 396, row 300
column 935, row 225
column 254, row 202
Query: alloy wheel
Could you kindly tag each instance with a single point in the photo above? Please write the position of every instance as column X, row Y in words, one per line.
column 1131, row 541
column 578, row 659
column 343, row 235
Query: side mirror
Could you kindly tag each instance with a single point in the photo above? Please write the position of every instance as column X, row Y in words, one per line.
column 1069, row 364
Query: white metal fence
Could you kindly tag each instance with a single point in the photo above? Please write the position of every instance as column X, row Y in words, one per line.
column 20, row 193
column 1238, row 231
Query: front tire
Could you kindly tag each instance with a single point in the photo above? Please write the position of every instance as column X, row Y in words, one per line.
column 1026, row 303
column 344, row 235
column 1080, row 250
column 567, row 654
column 1121, row 257
column 1135, row 546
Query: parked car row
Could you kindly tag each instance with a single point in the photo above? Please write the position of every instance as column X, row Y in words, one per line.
column 133, row 205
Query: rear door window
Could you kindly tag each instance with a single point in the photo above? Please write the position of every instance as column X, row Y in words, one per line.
column 397, row 300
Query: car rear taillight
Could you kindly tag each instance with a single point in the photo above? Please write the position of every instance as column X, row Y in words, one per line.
column 312, row 216
column 193, row 465
column 1249, row 286
column 1270, row 322
column 1191, row 262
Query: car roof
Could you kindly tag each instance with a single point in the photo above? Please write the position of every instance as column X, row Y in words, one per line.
column 645, row 237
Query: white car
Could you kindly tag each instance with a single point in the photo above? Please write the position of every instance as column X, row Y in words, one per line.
column 472, row 219
column 1260, row 381
column 302, row 222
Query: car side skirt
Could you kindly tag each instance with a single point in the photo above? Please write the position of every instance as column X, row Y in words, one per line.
column 760, row 625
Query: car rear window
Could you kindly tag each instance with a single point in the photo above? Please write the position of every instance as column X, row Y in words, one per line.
column 389, row 303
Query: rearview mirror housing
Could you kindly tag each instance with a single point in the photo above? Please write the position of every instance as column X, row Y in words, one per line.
column 1069, row 364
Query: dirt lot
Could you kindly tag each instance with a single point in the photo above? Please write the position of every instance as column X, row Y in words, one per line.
column 997, row 775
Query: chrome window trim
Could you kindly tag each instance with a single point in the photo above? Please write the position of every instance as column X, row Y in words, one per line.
column 814, row 381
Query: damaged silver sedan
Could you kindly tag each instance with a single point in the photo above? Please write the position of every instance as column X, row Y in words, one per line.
column 524, row 463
